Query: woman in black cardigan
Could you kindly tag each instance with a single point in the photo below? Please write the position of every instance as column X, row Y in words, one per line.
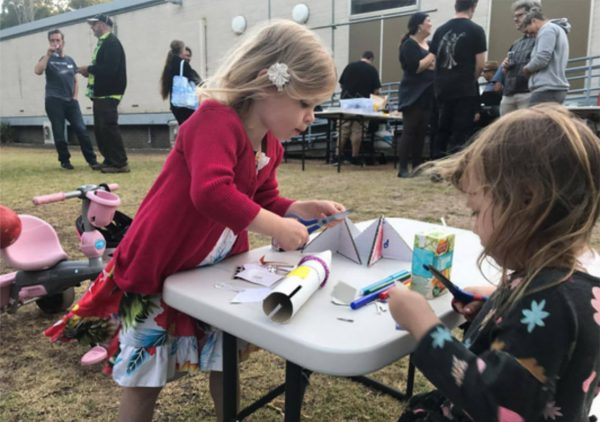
column 175, row 57
column 416, row 91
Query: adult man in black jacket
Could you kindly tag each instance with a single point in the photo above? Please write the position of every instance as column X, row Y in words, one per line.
column 107, row 80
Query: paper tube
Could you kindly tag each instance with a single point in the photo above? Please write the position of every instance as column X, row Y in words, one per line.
column 295, row 289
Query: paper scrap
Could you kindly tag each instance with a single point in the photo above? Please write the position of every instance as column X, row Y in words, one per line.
column 251, row 295
column 343, row 293
column 258, row 274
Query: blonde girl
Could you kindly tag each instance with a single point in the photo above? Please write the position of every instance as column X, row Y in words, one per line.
column 218, row 183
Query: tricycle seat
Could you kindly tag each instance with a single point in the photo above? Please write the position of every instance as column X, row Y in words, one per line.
column 37, row 248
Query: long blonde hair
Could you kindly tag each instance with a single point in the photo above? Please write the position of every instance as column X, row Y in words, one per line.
column 239, row 80
column 541, row 167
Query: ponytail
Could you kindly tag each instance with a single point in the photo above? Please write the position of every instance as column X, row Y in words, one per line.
column 413, row 25
column 166, row 78
column 405, row 37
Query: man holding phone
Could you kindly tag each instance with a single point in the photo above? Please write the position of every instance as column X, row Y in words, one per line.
column 61, row 100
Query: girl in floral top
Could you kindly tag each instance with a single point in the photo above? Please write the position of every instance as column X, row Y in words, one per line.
column 532, row 352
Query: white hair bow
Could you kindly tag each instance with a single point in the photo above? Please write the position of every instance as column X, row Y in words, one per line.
column 278, row 75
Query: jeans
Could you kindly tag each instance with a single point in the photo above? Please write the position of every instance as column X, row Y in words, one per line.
column 181, row 114
column 415, row 120
column 58, row 110
column 108, row 135
column 456, row 123
column 539, row 97
column 514, row 102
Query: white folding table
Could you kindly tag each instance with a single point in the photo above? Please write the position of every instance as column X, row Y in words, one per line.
column 315, row 338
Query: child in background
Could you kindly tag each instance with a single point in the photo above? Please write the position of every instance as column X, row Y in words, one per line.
column 218, row 183
column 532, row 353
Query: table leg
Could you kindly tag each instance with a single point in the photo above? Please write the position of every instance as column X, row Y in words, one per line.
column 328, row 143
column 386, row 389
column 410, row 378
column 230, row 370
column 339, row 146
column 294, row 391
column 303, row 148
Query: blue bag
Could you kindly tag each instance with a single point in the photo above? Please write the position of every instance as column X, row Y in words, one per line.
column 183, row 93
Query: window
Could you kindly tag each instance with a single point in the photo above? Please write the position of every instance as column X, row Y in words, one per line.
column 369, row 6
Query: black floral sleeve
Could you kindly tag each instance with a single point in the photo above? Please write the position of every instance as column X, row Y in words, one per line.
column 539, row 361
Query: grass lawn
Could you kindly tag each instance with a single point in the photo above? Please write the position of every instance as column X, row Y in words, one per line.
column 40, row 381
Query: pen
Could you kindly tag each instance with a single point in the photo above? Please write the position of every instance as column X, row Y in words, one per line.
column 402, row 275
column 362, row 301
column 404, row 279
column 386, row 293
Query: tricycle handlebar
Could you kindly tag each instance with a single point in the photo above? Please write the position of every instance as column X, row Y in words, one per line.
column 47, row 199
column 61, row 196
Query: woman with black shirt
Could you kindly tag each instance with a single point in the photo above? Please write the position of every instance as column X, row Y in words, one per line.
column 175, row 57
column 416, row 90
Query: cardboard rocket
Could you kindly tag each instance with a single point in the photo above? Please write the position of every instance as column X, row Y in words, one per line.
column 297, row 287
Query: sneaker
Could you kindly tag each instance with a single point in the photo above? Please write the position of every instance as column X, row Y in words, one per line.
column 357, row 161
column 96, row 166
column 436, row 178
column 403, row 173
column 114, row 169
column 67, row 166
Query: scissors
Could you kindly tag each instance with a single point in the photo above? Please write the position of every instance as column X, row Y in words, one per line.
column 458, row 293
column 317, row 223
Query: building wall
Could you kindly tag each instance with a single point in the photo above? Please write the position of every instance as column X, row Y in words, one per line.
column 145, row 35
column 205, row 25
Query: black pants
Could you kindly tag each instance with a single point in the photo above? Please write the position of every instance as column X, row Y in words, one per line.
column 455, row 123
column 415, row 120
column 59, row 110
column 181, row 113
column 108, row 135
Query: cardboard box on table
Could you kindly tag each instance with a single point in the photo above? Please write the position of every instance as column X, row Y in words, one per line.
column 433, row 247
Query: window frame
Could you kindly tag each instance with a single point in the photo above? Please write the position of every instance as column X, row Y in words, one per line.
column 383, row 12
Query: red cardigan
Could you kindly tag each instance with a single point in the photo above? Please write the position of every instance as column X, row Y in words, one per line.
column 209, row 182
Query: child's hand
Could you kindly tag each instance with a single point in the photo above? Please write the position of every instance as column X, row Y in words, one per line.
column 411, row 311
column 316, row 209
column 471, row 309
column 291, row 234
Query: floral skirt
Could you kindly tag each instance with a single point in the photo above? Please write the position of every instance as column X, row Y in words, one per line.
column 148, row 343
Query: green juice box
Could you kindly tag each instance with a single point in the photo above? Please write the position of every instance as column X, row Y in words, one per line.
column 432, row 247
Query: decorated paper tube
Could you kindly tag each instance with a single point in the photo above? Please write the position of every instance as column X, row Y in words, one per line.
column 299, row 285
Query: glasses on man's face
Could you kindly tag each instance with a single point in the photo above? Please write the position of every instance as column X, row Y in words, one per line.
column 518, row 16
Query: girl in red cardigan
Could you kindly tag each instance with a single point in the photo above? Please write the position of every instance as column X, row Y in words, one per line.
column 218, row 183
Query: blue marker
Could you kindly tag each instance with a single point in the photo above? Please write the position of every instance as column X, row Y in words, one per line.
column 362, row 301
column 384, row 282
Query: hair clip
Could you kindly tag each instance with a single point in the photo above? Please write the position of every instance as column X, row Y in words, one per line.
column 278, row 75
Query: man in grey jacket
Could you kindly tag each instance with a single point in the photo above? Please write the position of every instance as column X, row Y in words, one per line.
column 546, row 69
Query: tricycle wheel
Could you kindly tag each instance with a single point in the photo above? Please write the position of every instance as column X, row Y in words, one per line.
column 59, row 302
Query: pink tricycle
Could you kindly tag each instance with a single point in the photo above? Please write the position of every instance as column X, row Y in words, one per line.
column 44, row 272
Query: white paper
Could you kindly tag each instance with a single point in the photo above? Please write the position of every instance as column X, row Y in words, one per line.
column 251, row 295
column 258, row 274
column 366, row 247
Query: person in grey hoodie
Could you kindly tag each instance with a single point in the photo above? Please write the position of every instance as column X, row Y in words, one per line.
column 546, row 69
